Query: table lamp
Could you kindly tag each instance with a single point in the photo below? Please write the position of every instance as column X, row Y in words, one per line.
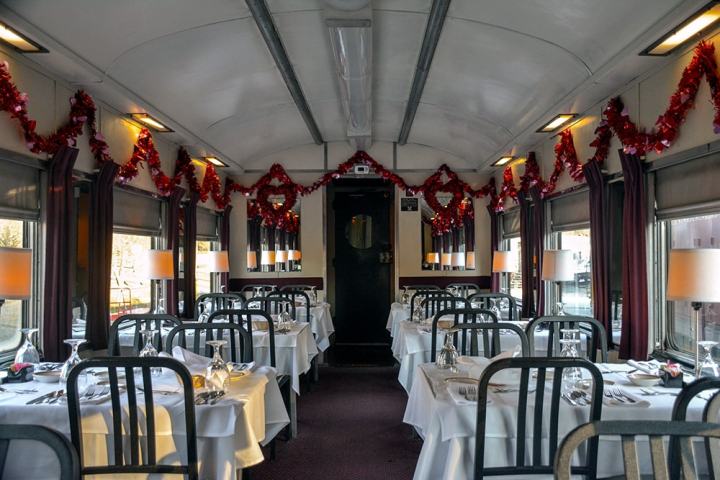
column 558, row 267
column 470, row 260
column 445, row 260
column 432, row 259
column 503, row 262
column 160, row 267
column 251, row 260
column 15, row 274
column 219, row 262
column 692, row 276
column 458, row 260
column 267, row 259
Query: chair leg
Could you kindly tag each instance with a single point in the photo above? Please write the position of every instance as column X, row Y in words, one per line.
column 273, row 448
column 293, row 414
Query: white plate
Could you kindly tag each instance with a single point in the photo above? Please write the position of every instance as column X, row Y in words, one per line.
column 643, row 379
column 47, row 377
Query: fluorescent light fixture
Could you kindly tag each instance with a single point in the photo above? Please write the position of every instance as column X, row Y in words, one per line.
column 556, row 122
column 151, row 122
column 18, row 41
column 351, row 42
column 503, row 161
column 687, row 30
column 215, row 161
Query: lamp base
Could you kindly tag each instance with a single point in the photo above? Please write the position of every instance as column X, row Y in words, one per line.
column 560, row 309
column 696, row 306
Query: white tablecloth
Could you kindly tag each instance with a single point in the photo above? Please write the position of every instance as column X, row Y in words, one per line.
column 293, row 351
column 448, row 429
column 229, row 432
column 398, row 313
column 321, row 324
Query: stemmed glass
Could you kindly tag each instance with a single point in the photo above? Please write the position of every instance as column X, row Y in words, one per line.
column 72, row 360
column 405, row 296
column 206, row 310
column 149, row 349
column 312, row 294
column 27, row 353
column 217, row 375
column 447, row 358
column 495, row 309
column 708, row 367
column 258, row 292
column 570, row 376
column 417, row 314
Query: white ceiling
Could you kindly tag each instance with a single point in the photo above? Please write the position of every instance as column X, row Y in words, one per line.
column 502, row 67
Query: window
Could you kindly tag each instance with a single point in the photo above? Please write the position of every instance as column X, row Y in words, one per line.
column 576, row 295
column 130, row 289
column 13, row 313
column 694, row 232
column 203, row 277
column 513, row 280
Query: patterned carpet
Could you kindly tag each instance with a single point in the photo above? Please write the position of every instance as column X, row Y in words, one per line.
column 350, row 427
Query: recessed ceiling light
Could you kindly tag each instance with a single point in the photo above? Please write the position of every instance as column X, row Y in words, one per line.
column 556, row 122
column 215, row 161
column 151, row 122
column 503, row 160
column 687, row 30
column 18, row 41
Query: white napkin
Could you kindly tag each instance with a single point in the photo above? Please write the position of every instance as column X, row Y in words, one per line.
column 645, row 367
column 453, row 390
column 196, row 364
column 610, row 401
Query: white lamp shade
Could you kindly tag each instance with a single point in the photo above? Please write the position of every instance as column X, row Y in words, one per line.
column 446, row 259
column 558, row 266
column 432, row 258
column 251, row 259
column 294, row 255
column 218, row 261
column 281, row 256
column 267, row 257
column 15, row 273
column 470, row 260
column 504, row 261
column 160, row 265
column 458, row 259
column 693, row 275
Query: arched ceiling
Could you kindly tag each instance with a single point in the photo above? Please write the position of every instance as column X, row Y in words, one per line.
column 501, row 68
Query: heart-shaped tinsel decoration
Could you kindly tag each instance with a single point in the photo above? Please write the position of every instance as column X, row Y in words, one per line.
column 275, row 214
column 448, row 215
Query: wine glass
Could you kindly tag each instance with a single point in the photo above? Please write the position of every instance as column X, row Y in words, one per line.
column 570, row 342
column 258, row 292
column 149, row 349
column 405, row 296
column 495, row 309
column 72, row 360
column 216, row 374
column 27, row 353
column 708, row 367
column 447, row 358
column 312, row 294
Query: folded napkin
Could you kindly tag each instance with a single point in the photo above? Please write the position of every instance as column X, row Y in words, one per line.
column 645, row 367
column 196, row 364
column 611, row 400
column 459, row 399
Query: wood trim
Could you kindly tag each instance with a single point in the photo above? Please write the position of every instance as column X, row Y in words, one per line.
column 483, row 281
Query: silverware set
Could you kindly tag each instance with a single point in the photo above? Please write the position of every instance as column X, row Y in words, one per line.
column 618, row 395
column 19, row 391
column 577, row 398
column 210, row 397
column 470, row 393
column 48, row 398
column 93, row 392
column 649, row 392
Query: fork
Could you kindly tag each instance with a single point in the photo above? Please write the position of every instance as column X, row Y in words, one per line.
column 620, row 394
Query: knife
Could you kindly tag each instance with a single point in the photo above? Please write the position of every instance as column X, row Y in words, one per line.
column 42, row 398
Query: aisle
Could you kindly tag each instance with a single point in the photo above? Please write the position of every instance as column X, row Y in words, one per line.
column 350, row 428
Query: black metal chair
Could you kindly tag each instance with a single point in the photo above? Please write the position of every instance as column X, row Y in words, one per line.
column 218, row 301
column 138, row 461
column 711, row 414
column 272, row 305
column 422, row 287
column 133, row 324
column 64, row 450
column 594, row 331
column 542, row 416
column 432, row 304
column 465, row 336
column 485, row 301
column 300, row 287
column 299, row 298
column 628, row 431
column 239, row 339
column 464, row 289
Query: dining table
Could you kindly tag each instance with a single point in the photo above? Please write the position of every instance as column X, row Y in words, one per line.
column 230, row 432
column 446, row 420
column 321, row 323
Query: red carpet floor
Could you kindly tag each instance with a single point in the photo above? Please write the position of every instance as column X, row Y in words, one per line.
column 350, row 427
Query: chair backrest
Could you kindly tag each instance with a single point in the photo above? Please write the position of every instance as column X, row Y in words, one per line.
column 299, row 299
column 485, row 300
column 273, row 305
column 711, row 414
column 440, row 300
column 239, row 348
column 219, row 301
column 132, row 324
column 422, row 287
column 464, row 289
column 266, row 288
column 469, row 325
column 628, row 431
column 246, row 318
column 125, row 463
column 594, row 332
column 66, row 453
column 544, row 431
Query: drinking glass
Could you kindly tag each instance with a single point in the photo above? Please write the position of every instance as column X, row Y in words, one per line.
column 417, row 314
column 27, row 353
column 405, row 297
column 495, row 309
column 258, row 292
column 708, row 367
column 570, row 376
column 149, row 349
column 72, row 360
column 447, row 358
column 312, row 294
column 217, row 375
column 207, row 307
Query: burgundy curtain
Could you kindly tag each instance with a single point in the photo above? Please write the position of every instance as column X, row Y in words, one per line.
column 225, row 243
column 600, row 245
column 538, row 244
column 59, row 272
column 100, row 253
column 189, row 253
column 526, row 256
column 494, row 245
column 634, row 340
column 172, row 229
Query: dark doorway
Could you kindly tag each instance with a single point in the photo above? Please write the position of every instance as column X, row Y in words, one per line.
column 361, row 263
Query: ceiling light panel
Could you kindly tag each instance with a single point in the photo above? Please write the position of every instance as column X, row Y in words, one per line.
column 557, row 122
column 19, row 42
column 151, row 122
column 687, row 30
